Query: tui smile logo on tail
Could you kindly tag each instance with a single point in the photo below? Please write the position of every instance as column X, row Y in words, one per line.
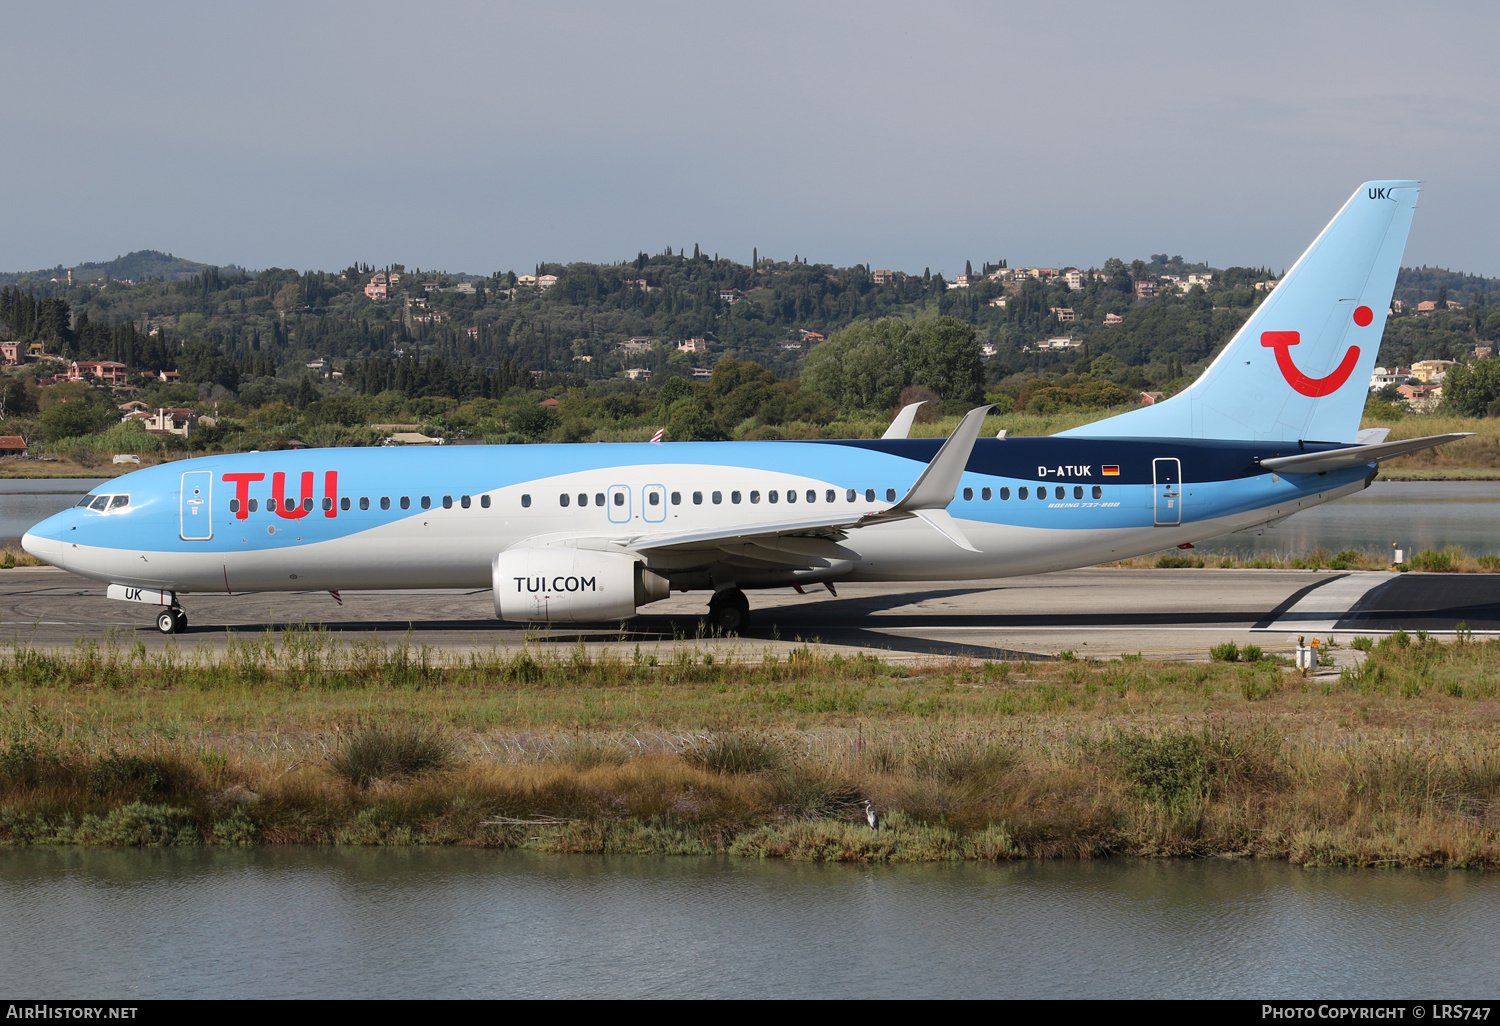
column 1282, row 342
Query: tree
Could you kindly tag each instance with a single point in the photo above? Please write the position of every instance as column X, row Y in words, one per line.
column 534, row 422
column 16, row 399
column 866, row 366
column 691, row 422
column 944, row 355
column 1469, row 390
column 79, row 416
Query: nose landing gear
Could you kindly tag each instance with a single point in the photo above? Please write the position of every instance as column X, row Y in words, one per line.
column 172, row 621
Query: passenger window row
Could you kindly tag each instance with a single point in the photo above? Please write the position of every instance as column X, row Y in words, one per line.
column 464, row 501
column 101, row 502
column 735, row 497
column 1060, row 492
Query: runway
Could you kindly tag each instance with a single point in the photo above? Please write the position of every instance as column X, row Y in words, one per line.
column 1101, row 613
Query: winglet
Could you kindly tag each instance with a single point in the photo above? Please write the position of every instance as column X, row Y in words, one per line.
column 938, row 483
column 901, row 425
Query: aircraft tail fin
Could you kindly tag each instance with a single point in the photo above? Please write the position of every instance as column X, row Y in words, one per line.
column 1299, row 368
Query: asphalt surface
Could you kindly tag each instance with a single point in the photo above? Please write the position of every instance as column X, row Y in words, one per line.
column 1174, row 614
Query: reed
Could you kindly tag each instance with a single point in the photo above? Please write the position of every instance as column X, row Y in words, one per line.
column 1394, row 761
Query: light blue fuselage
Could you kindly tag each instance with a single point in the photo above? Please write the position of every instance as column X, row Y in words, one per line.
column 204, row 524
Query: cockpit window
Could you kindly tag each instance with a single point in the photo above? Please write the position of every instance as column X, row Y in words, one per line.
column 85, row 500
column 119, row 501
column 100, row 502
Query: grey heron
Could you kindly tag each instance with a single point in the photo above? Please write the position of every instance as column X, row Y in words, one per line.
column 871, row 816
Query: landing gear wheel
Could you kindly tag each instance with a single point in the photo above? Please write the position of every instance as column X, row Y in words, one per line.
column 729, row 611
column 171, row 621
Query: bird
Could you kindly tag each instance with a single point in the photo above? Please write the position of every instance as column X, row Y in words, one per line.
column 871, row 816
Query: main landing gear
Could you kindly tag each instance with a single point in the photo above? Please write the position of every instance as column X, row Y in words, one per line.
column 729, row 611
column 171, row 621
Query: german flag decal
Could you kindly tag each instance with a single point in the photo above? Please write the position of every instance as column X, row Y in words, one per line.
column 1111, row 470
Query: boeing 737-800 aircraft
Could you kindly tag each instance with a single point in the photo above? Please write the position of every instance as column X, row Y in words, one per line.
column 592, row 532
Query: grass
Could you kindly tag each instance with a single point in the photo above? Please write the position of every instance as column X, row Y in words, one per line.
column 10, row 558
column 1451, row 559
column 301, row 740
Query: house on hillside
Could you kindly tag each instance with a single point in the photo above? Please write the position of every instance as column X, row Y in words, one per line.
column 1113, row 318
column 1421, row 398
column 1383, row 376
column 1432, row 371
column 12, row 445
column 172, row 421
column 106, row 372
column 692, row 345
column 13, row 353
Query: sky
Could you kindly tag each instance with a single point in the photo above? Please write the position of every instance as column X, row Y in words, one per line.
column 485, row 136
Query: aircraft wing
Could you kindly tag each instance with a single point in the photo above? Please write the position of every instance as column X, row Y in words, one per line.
column 927, row 500
column 1354, row 456
column 901, row 425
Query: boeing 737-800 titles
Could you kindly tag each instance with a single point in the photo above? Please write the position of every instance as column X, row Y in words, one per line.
column 592, row 532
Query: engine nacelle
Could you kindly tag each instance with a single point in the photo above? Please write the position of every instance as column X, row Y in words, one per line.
column 565, row 585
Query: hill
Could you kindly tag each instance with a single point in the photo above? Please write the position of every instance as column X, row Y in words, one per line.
column 141, row 265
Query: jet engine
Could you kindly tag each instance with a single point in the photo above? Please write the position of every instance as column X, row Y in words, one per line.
column 566, row 585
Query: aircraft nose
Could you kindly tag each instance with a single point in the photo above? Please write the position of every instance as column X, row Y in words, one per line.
column 40, row 547
column 42, row 541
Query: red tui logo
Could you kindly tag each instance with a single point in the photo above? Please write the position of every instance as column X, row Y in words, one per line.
column 1282, row 341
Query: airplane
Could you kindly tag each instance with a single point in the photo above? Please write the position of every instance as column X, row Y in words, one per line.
column 591, row 533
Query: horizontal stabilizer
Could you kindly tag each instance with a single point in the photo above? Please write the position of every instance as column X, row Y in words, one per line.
column 1355, row 456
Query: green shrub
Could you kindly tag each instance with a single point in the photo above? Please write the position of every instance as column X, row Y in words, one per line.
column 140, row 824
column 805, row 793
column 1252, row 654
column 1436, row 560
column 25, row 764
column 1178, row 563
column 373, row 753
column 130, row 776
column 1171, row 770
column 733, row 753
column 1363, row 644
column 1228, row 652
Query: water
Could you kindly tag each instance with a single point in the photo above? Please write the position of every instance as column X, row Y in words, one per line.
column 1417, row 514
column 293, row 923
column 27, row 501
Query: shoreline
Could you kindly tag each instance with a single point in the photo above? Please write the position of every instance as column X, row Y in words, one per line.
column 1390, row 761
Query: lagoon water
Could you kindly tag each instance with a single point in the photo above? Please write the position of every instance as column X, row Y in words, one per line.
column 26, row 501
column 307, row 922
column 1417, row 514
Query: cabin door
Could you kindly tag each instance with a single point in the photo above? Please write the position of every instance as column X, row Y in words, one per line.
column 1167, row 474
column 196, row 511
column 619, row 504
column 654, row 503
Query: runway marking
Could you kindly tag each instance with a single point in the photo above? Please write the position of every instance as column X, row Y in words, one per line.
column 1322, row 607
